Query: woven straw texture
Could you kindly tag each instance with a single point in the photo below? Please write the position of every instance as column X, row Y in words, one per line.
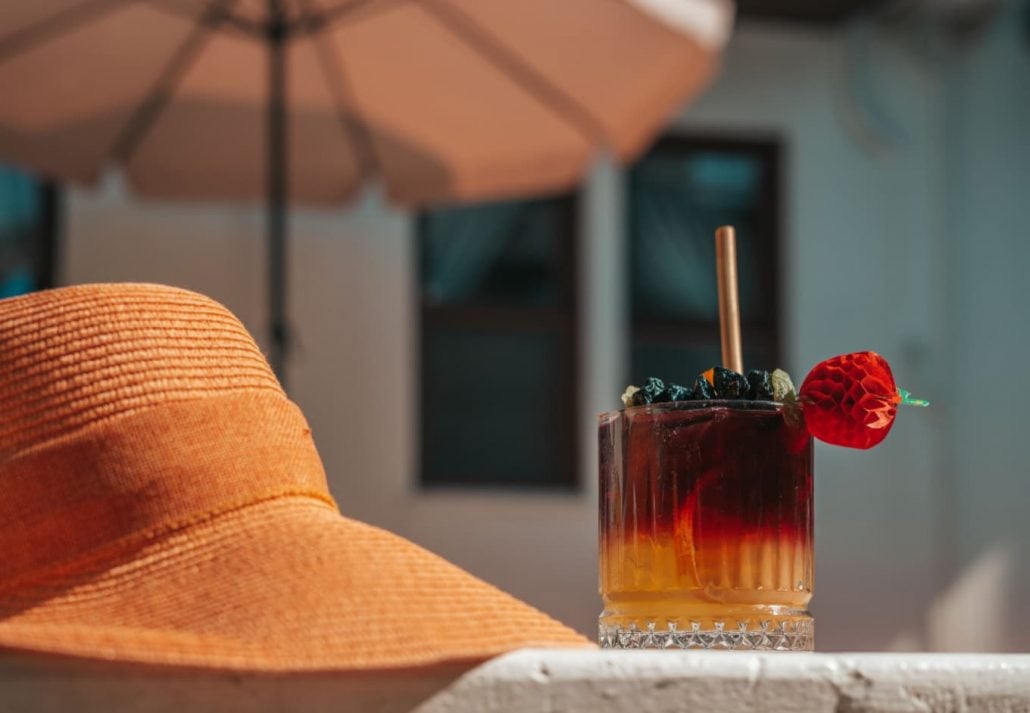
column 162, row 501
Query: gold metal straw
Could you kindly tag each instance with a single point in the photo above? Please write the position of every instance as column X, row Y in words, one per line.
column 729, row 305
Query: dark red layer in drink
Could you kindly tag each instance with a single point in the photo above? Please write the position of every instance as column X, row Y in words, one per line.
column 726, row 485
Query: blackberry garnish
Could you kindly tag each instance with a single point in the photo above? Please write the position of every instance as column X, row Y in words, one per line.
column 654, row 391
column 759, row 385
column 678, row 393
column 729, row 384
column 703, row 389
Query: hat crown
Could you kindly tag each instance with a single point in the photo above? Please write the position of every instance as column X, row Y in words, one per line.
column 82, row 355
column 127, row 411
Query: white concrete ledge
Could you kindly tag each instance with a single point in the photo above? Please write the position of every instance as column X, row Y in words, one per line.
column 645, row 681
column 541, row 680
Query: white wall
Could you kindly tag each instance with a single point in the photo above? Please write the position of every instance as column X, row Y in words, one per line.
column 988, row 198
column 869, row 266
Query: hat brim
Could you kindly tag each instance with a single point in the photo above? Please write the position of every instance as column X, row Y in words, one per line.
column 283, row 585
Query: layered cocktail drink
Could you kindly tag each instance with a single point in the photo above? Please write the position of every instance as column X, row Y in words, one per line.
column 705, row 526
column 706, row 492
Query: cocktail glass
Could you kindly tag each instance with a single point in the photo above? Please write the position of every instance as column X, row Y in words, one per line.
column 705, row 527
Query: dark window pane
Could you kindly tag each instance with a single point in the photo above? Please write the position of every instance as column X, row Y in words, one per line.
column 677, row 199
column 492, row 408
column 21, row 222
column 506, row 253
column 671, row 362
column 679, row 193
column 497, row 344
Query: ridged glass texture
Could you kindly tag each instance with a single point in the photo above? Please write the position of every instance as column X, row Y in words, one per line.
column 706, row 525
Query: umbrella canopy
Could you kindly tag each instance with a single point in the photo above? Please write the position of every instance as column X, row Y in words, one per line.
column 304, row 100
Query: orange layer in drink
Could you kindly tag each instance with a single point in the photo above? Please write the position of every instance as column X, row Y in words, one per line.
column 706, row 513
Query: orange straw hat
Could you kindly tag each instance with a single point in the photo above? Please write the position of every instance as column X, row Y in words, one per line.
column 161, row 501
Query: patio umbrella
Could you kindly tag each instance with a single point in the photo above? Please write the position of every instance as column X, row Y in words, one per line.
column 301, row 101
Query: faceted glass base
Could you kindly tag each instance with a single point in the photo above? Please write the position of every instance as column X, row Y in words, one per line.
column 766, row 635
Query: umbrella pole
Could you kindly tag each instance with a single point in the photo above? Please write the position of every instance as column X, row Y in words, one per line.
column 276, row 216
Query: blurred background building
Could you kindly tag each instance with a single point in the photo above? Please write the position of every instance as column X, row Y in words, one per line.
column 875, row 158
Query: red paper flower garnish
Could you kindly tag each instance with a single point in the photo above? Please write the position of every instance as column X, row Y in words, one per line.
column 851, row 400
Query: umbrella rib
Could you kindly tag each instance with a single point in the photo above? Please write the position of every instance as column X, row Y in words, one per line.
column 145, row 115
column 225, row 18
column 330, row 15
column 340, row 86
column 50, row 27
column 516, row 68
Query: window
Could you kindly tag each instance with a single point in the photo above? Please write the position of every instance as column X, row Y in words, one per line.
column 498, row 344
column 27, row 234
column 679, row 193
